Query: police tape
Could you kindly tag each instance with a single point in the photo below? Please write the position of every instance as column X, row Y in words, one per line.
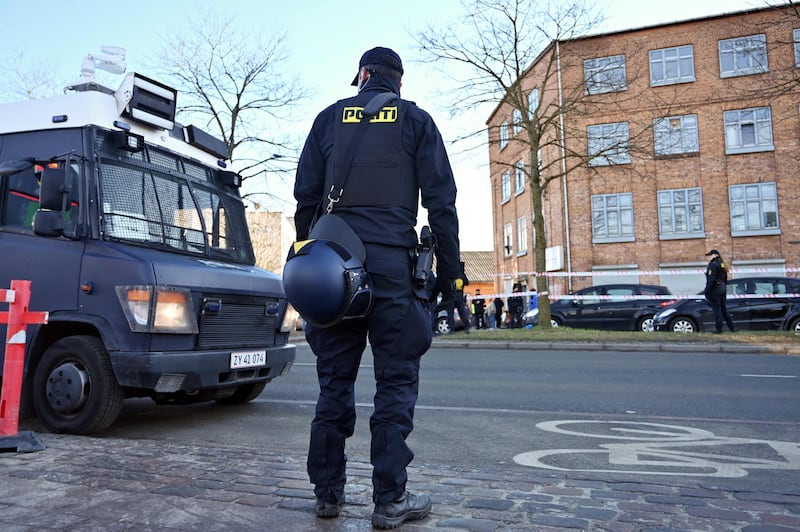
column 627, row 273
column 669, row 297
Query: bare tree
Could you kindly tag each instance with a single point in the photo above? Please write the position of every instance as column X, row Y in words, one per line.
column 232, row 78
column 512, row 53
column 23, row 77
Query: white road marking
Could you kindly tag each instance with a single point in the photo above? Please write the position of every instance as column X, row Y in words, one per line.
column 769, row 376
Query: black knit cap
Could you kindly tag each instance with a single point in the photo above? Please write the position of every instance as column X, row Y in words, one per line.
column 380, row 57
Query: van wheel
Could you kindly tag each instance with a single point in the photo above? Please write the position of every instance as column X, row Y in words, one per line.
column 74, row 388
column 442, row 326
column 795, row 326
column 244, row 394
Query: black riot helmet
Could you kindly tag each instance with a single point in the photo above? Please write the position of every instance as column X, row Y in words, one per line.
column 326, row 283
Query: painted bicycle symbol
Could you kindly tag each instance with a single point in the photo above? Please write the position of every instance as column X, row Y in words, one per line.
column 658, row 449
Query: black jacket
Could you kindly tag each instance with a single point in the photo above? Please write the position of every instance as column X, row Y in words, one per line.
column 386, row 224
column 716, row 274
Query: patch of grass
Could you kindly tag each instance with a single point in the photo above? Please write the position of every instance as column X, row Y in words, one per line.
column 567, row 334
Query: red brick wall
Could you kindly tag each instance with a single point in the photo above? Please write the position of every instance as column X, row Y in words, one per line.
column 712, row 170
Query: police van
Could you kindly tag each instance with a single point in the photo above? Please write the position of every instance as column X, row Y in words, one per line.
column 133, row 234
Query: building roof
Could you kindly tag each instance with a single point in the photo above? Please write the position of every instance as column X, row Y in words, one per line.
column 478, row 265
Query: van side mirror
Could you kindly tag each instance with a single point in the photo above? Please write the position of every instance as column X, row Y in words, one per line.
column 54, row 194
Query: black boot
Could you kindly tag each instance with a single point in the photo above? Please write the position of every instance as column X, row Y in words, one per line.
column 409, row 507
column 330, row 506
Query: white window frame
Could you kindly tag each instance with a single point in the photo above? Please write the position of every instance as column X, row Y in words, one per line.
column 754, row 209
column 675, row 64
column 612, row 218
column 739, row 123
column 680, row 213
column 508, row 242
column 796, row 36
column 673, row 135
column 744, row 56
column 605, row 74
column 533, row 102
column 522, row 235
column 516, row 121
column 503, row 135
column 608, row 144
column 505, row 187
column 519, row 177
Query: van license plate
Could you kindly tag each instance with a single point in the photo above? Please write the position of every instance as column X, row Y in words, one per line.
column 248, row 359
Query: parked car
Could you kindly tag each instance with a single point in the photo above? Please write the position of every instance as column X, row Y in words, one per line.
column 611, row 306
column 776, row 309
column 440, row 325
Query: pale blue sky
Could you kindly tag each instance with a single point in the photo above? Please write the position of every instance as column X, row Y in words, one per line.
column 325, row 40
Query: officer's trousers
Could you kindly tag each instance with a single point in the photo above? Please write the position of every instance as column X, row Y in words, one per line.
column 399, row 332
column 717, row 299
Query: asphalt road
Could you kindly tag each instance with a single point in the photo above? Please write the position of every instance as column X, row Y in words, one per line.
column 723, row 418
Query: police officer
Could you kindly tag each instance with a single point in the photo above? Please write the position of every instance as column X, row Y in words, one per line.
column 400, row 156
column 716, row 290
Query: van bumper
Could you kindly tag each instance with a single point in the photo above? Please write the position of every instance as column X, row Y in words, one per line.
column 186, row 371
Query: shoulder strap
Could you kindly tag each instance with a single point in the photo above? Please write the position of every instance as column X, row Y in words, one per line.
column 378, row 102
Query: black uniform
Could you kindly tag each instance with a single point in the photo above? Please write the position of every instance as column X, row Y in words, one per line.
column 401, row 155
column 716, row 292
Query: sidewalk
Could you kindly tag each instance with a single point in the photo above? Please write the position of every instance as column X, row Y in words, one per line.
column 85, row 483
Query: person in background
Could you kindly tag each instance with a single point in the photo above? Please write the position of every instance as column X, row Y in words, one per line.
column 480, row 309
column 491, row 314
column 515, row 307
column 534, row 300
column 716, row 290
column 498, row 311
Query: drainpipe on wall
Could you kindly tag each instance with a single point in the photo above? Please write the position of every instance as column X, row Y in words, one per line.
column 564, row 167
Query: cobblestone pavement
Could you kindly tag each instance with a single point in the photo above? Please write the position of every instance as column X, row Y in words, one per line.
column 89, row 483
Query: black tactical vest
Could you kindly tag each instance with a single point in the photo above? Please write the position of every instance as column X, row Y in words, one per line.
column 382, row 172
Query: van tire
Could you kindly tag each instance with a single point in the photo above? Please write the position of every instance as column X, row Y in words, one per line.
column 74, row 388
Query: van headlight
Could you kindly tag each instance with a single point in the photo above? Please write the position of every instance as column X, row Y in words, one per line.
column 158, row 309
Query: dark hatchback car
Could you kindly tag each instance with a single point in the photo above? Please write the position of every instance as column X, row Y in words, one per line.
column 754, row 303
column 622, row 307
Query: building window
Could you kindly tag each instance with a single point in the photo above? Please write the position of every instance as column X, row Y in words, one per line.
column 797, row 48
column 519, row 176
column 605, row 74
column 533, row 103
column 754, row 209
column 608, row 144
column 612, row 218
column 516, row 121
column 748, row 130
column 503, row 134
column 508, row 247
column 675, row 134
column 743, row 56
column 505, row 186
column 672, row 65
column 522, row 235
column 680, row 213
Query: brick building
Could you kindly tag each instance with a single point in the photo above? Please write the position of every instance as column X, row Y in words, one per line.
column 671, row 140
